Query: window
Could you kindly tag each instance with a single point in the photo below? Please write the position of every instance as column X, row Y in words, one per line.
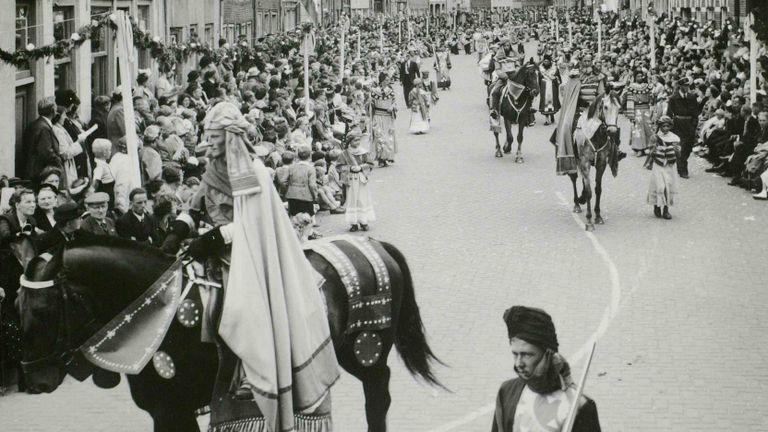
column 193, row 35
column 248, row 28
column 100, row 55
column 209, row 35
column 143, row 23
column 25, row 30
column 176, row 35
column 63, row 27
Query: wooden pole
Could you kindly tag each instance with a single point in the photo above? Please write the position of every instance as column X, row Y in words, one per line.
column 307, row 106
column 343, row 52
column 358, row 43
column 653, row 42
column 752, row 59
column 599, row 38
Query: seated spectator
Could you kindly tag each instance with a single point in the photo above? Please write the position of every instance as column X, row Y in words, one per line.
column 137, row 224
column 68, row 220
column 282, row 172
column 97, row 222
column 325, row 194
column 47, row 201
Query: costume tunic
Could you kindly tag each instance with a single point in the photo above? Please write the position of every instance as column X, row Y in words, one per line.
column 520, row 409
column 443, row 69
column 661, row 161
column 638, row 108
column 359, row 203
column 549, row 83
column 419, row 101
column 383, row 123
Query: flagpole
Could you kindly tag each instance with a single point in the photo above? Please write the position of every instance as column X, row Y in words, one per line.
column 570, row 32
column 653, row 42
column 306, row 75
column 343, row 52
column 752, row 58
column 599, row 36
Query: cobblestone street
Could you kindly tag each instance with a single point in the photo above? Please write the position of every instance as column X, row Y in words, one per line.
column 676, row 305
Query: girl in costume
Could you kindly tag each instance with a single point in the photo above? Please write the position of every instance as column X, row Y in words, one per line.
column 661, row 161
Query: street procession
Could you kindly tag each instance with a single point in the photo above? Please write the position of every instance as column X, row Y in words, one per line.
column 367, row 215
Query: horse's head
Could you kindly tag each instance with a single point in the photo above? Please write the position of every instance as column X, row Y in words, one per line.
column 527, row 76
column 65, row 298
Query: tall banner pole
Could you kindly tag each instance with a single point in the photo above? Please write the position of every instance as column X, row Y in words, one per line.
column 381, row 38
column 599, row 38
column 307, row 106
column 752, row 58
column 399, row 31
column 126, row 58
column 653, row 42
column 343, row 52
column 358, row 43
column 570, row 32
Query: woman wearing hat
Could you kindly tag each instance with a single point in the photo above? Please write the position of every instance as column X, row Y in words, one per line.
column 359, row 204
column 47, row 201
column 663, row 155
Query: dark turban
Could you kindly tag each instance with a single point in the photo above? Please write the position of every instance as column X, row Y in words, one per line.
column 531, row 325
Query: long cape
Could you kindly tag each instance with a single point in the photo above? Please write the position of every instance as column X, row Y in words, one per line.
column 563, row 136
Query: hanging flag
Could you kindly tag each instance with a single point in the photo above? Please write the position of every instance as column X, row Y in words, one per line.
column 312, row 7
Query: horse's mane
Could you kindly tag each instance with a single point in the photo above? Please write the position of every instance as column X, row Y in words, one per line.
column 595, row 108
column 522, row 74
column 112, row 242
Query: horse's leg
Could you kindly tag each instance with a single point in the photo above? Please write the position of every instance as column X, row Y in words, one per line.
column 519, row 154
column 377, row 398
column 508, row 130
column 600, row 169
column 587, row 192
column 498, row 145
column 576, row 206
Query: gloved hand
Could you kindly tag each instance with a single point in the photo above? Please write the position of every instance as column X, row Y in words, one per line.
column 206, row 245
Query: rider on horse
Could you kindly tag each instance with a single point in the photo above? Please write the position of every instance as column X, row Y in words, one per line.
column 272, row 317
column 505, row 60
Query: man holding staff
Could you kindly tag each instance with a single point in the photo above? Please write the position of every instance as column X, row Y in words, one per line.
column 541, row 397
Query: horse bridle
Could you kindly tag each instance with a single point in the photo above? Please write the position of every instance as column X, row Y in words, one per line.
column 67, row 339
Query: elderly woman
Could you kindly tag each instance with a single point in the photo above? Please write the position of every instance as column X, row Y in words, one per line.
column 663, row 155
column 272, row 321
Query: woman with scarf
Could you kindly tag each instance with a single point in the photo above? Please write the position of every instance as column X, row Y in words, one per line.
column 661, row 161
column 272, row 318
column 383, row 121
column 539, row 399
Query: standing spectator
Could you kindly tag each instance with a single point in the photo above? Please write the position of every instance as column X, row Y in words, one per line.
column 103, row 179
column 137, row 224
column 120, row 166
column 301, row 187
column 68, row 148
column 47, row 201
column 151, row 160
column 41, row 149
column 97, row 222
column 116, row 119
column 163, row 86
column 83, row 161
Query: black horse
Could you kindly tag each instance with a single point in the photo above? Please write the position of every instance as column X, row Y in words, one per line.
column 95, row 278
column 516, row 108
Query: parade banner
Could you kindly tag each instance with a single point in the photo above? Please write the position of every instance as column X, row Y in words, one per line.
column 126, row 59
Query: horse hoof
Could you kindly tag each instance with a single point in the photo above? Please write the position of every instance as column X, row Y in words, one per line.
column 589, row 227
column 599, row 220
column 507, row 151
column 576, row 209
column 498, row 154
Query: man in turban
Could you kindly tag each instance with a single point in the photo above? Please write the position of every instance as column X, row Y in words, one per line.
column 270, row 315
column 541, row 397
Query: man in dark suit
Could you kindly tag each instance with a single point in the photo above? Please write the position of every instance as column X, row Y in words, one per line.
column 41, row 149
column 97, row 222
column 684, row 110
column 67, row 217
column 138, row 225
column 744, row 145
column 409, row 70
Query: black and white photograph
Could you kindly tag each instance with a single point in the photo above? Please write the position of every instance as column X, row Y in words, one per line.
column 383, row 215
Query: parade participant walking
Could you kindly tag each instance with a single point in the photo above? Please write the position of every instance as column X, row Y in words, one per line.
column 443, row 67
column 409, row 71
column 272, row 317
column 539, row 399
column 638, row 100
column 419, row 103
column 661, row 161
column 549, row 82
column 684, row 111
column 359, row 206
column 383, row 111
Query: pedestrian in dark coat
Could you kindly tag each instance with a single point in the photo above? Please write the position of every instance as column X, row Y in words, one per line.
column 41, row 149
column 684, row 110
column 138, row 225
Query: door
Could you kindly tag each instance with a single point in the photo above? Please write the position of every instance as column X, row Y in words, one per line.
column 23, row 99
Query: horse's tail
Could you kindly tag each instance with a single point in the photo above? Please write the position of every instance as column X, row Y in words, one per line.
column 410, row 339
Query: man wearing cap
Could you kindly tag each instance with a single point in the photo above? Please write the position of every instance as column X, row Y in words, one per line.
column 67, row 217
column 541, row 397
column 684, row 111
column 97, row 222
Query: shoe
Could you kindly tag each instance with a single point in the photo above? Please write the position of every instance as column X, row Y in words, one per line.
column 622, row 155
column 715, row 168
column 762, row 196
column 338, row 210
column 364, row 227
column 666, row 214
column 685, row 176
column 657, row 211
column 354, row 228
column 735, row 182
